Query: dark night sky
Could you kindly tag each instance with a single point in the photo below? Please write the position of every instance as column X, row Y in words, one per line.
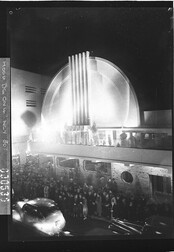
column 137, row 40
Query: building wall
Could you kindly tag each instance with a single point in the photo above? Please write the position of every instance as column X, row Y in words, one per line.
column 27, row 93
column 141, row 183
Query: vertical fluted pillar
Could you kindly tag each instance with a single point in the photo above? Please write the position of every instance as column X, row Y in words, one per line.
column 87, row 86
column 79, row 86
column 81, row 91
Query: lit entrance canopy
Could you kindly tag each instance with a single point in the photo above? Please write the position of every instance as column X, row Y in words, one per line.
column 112, row 100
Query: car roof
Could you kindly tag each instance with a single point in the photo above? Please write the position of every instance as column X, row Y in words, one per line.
column 42, row 202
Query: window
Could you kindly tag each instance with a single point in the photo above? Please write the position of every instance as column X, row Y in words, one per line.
column 157, row 183
column 127, row 177
column 160, row 184
column 32, row 211
column 97, row 166
column 68, row 162
column 89, row 165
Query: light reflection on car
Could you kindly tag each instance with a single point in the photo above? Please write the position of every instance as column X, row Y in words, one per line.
column 124, row 227
column 42, row 214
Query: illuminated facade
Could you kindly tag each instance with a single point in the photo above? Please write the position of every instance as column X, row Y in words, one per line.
column 111, row 99
column 90, row 114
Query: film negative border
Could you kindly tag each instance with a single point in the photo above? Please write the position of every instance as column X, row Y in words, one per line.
column 5, row 175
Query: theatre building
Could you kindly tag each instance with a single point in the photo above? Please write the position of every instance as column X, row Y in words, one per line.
column 87, row 119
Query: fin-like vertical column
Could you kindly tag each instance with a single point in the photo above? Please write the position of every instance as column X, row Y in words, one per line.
column 77, row 89
column 87, row 86
column 79, row 67
column 73, row 88
column 81, row 91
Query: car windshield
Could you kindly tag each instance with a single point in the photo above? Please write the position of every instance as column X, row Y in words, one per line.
column 46, row 211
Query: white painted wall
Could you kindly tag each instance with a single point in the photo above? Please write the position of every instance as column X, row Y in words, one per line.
column 20, row 79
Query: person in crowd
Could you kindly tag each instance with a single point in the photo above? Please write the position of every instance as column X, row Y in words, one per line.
column 70, row 205
column 46, row 191
column 119, row 205
column 114, row 186
column 124, row 141
column 132, row 141
column 56, row 194
column 113, row 206
column 75, row 206
column 85, row 187
column 99, row 205
column 90, row 203
column 94, row 208
column 131, row 208
column 80, row 207
column 85, row 208
column 109, row 184
column 109, row 140
column 52, row 192
column 65, row 204
column 60, row 203
column 107, row 206
column 103, row 195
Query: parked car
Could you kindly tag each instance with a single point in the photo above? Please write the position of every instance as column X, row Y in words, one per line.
column 42, row 214
column 154, row 225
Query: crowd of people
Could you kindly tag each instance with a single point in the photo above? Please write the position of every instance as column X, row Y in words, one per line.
column 79, row 198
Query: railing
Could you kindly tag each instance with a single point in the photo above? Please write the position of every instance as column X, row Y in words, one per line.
column 142, row 138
